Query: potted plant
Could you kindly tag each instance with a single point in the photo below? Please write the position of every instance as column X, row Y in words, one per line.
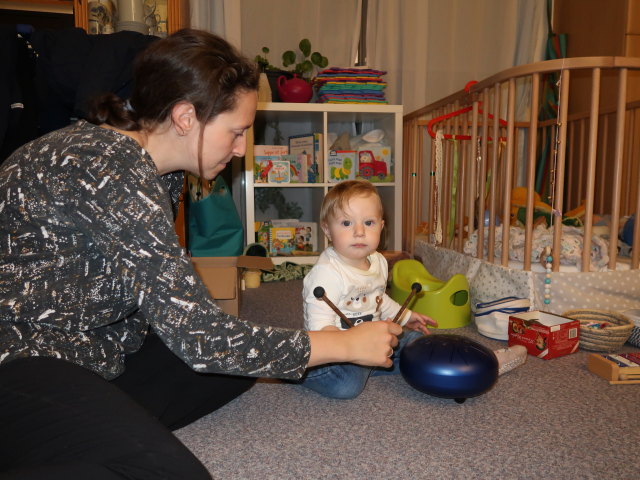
column 304, row 69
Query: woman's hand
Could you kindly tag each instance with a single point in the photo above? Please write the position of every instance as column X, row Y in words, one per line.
column 373, row 342
column 370, row 343
column 418, row 321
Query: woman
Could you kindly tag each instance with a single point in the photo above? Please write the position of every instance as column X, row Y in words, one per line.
column 108, row 339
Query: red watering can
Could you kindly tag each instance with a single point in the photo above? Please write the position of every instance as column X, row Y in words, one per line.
column 295, row 90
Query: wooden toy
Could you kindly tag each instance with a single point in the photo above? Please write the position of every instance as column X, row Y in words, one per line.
column 318, row 292
column 415, row 288
column 610, row 367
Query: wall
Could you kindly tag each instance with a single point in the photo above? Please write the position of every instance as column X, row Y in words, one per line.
column 598, row 28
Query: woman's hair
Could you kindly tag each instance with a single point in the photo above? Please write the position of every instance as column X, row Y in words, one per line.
column 190, row 65
column 339, row 195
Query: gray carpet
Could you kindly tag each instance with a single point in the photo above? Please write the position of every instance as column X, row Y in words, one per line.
column 548, row 419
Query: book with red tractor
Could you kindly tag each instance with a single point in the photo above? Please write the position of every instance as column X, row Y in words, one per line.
column 369, row 167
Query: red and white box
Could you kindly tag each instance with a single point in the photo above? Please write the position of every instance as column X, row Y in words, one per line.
column 544, row 335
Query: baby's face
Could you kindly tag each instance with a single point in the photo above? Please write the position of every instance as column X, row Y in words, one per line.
column 355, row 230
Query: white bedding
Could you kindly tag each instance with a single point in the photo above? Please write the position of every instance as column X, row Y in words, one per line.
column 571, row 246
column 606, row 290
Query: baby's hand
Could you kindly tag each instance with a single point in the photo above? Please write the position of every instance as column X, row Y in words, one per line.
column 418, row 322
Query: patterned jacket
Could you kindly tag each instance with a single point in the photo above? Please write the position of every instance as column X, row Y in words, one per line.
column 89, row 258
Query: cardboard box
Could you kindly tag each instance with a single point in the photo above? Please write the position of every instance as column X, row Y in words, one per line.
column 223, row 276
column 545, row 335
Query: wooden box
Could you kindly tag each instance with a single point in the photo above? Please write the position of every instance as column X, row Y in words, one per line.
column 607, row 367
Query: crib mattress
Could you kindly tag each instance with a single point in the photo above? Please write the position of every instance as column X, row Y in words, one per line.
column 570, row 289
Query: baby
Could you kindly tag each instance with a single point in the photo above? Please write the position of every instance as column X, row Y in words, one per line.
column 354, row 277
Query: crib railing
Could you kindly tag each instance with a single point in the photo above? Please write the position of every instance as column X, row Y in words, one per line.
column 565, row 128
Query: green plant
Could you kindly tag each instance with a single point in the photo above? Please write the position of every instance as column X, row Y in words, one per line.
column 304, row 68
column 273, row 197
column 278, row 138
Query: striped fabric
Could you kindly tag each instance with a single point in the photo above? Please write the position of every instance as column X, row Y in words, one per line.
column 351, row 85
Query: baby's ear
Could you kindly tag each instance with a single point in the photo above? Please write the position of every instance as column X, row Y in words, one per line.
column 325, row 229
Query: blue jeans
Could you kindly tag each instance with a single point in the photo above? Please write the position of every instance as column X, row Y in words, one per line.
column 346, row 380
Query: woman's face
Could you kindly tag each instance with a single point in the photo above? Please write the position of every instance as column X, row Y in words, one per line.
column 225, row 136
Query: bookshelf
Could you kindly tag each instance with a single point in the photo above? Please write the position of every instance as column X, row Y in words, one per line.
column 276, row 122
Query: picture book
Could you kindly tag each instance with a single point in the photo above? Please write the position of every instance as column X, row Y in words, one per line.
column 306, row 238
column 311, row 145
column 262, row 233
column 374, row 163
column 318, row 150
column 279, row 172
column 262, row 164
column 342, row 165
column 298, row 167
column 267, row 150
column 306, row 234
column 314, row 172
column 301, row 144
column 281, row 240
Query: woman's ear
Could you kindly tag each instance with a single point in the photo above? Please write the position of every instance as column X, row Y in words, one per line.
column 183, row 117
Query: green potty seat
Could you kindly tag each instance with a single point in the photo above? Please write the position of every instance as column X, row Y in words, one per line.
column 446, row 302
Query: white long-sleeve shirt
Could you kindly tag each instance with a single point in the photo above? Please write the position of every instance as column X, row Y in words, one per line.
column 358, row 294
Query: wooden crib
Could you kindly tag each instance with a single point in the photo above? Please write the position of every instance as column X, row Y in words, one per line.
column 543, row 157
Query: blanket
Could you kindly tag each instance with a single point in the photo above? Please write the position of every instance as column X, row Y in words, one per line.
column 570, row 248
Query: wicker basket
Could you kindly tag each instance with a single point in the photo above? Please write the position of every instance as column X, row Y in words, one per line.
column 607, row 339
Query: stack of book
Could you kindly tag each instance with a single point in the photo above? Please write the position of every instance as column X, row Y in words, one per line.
column 350, row 85
column 298, row 162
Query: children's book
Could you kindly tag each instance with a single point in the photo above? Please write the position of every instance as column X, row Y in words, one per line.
column 281, row 240
column 301, row 144
column 342, row 165
column 306, row 234
column 309, row 144
column 279, row 172
column 314, row 172
column 318, row 158
column 262, row 233
column 262, row 164
column 266, row 150
column 263, row 157
column 375, row 163
column 306, row 238
column 297, row 167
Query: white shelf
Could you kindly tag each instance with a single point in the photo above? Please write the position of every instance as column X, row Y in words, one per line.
column 301, row 118
column 302, row 260
column 329, row 107
column 311, row 185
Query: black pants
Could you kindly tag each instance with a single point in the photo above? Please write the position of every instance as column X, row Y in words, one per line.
column 61, row 421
